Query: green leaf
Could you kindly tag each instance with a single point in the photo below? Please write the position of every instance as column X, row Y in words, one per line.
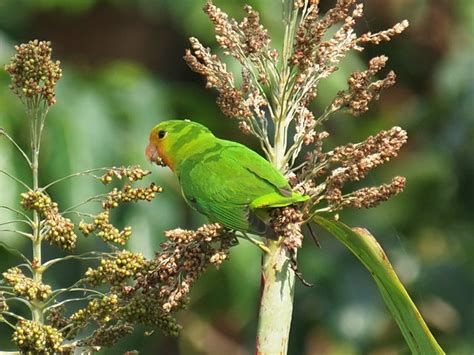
column 366, row 248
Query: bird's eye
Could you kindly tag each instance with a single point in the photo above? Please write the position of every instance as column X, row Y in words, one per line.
column 161, row 134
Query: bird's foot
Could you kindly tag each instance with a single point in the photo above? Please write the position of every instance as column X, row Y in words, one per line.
column 256, row 242
column 298, row 273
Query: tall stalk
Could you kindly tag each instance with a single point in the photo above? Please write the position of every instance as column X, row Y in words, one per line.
column 37, row 111
column 276, row 303
column 278, row 278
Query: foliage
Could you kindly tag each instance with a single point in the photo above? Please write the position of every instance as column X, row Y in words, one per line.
column 366, row 248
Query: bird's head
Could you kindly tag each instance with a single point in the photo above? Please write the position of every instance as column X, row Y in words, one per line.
column 171, row 141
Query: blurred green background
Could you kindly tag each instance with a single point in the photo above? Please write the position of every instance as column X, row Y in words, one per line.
column 123, row 72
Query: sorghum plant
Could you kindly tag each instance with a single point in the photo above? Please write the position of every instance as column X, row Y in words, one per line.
column 272, row 101
column 120, row 289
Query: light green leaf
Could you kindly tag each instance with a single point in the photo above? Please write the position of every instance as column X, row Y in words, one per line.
column 366, row 248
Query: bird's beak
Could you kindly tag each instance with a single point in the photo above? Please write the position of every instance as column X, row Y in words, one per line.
column 152, row 155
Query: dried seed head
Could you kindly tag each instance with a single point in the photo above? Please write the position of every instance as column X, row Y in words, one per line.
column 357, row 160
column 117, row 269
column 254, row 36
column 286, row 222
column 386, row 35
column 105, row 230
column 33, row 73
column 370, row 197
column 184, row 258
column 244, row 127
column 133, row 173
column 247, row 41
column 26, row 287
column 34, row 338
column 56, row 229
column 107, row 336
column 362, row 90
column 56, row 317
column 129, row 194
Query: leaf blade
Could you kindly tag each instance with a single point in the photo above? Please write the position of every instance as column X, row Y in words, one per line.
column 366, row 248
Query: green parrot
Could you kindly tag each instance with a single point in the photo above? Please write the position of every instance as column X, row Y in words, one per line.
column 224, row 180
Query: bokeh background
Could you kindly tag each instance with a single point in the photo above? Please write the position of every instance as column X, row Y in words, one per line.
column 123, row 73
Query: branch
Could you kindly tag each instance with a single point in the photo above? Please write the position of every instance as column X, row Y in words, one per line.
column 70, row 300
column 95, row 255
column 21, row 151
column 81, row 173
column 28, row 235
column 15, row 221
column 97, row 198
column 17, row 211
column 26, row 302
column 13, row 315
column 15, row 179
column 4, row 320
column 61, row 291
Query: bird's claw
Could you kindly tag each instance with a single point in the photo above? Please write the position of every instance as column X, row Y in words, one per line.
column 256, row 242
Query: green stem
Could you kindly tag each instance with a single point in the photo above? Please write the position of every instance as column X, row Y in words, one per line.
column 276, row 304
column 278, row 278
column 37, row 306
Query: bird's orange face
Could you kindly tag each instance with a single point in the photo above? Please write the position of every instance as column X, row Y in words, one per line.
column 168, row 138
column 156, row 149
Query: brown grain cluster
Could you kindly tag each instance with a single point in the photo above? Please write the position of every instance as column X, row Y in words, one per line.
column 130, row 194
column 362, row 89
column 249, row 43
column 184, row 257
column 25, row 286
column 55, row 228
column 325, row 175
column 132, row 173
column 286, row 223
column 144, row 291
column 33, row 73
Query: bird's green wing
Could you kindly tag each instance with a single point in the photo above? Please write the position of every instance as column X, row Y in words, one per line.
column 223, row 184
column 253, row 162
column 258, row 165
column 210, row 188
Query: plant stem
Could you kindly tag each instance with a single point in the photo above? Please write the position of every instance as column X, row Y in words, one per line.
column 37, row 306
column 278, row 284
column 276, row 304
column 278, row 279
